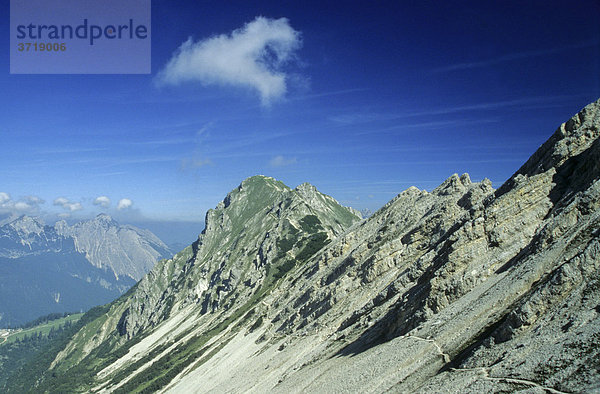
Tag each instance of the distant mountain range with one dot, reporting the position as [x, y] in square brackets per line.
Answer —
[125, 250]
[463, 289]
[62, 268]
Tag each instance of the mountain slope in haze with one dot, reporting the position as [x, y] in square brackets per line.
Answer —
[46, 269]
[27, 235]
[123, 249]
[462, 289]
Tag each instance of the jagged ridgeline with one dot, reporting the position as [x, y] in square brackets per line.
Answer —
[261, 231]
[461, 289]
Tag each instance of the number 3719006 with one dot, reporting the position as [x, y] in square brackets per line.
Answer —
[41, 47]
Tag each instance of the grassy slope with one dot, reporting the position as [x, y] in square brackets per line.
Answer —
[44, 328]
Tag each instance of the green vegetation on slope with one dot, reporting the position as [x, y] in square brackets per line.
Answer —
[311, 224]
[25, 377]
[45, 326]
[20, 347]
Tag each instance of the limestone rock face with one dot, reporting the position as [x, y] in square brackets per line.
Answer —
[252, 238]
[124, 250]
[461, 289]
[27, 235]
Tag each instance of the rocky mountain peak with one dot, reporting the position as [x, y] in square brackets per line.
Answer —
[27, 225]
[258, 182]
[251, 196]
[252, 239]
[453, 185]
[572, 138]
[27, 235]
[253, 188]
[61, 227]
[104, 218]
[306, 189]
[568, 162]
[256, 179]
[313, 197]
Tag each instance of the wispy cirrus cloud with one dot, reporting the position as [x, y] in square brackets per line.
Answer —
[354, 118]
[252, 56]
[282, 161]
[365, 117]
[330, 93]
[433, 125]
[198, 159]
[63, 151]
[509, 57]
[520, 103]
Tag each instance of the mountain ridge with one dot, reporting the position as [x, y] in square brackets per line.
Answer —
[464, 289]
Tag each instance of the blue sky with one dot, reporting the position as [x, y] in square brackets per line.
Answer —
[361, 102]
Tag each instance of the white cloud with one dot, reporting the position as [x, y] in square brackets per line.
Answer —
[27, 204]
[68, 205]
[103, 201]
[22, 206]
[190, 164]
[60, 201]
[280, 161]
[4, 197]
[124, 203]
[34, 200]
[75, 206]
[252, 57]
